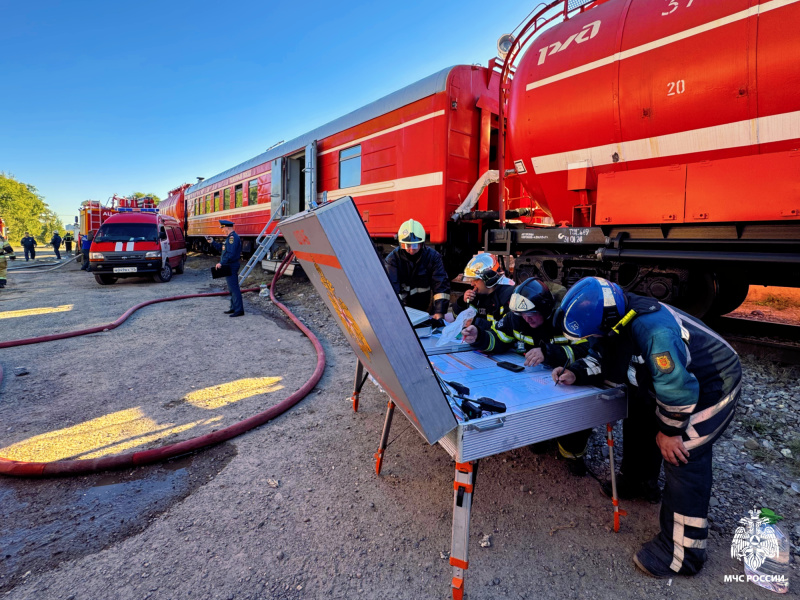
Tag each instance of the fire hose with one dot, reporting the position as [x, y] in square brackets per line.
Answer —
[38, 266]
[146, 457]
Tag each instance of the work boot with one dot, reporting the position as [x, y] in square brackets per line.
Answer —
[634, 489]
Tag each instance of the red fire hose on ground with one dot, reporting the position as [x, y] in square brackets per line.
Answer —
[145, 457]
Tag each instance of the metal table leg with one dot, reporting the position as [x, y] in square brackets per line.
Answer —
[360, 380]
[464, 486]
[618, 512]
[387, 424]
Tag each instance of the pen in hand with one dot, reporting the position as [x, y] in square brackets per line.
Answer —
[564, 368]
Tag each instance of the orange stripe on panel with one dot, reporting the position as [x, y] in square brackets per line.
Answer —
[323, 259]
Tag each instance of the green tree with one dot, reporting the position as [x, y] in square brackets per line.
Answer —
[23, 209]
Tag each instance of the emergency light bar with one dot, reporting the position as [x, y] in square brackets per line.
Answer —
[144, 210]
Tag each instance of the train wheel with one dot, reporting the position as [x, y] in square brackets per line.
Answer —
[732, 292]
[544, 267]
[701, 295]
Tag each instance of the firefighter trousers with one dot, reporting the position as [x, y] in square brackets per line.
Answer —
[680, 546]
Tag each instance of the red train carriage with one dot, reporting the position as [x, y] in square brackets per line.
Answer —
[664, 136]
[415, 153]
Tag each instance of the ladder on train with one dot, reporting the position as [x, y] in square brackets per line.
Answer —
[264, 243]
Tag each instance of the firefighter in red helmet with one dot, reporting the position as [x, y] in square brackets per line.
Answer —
[417, 272]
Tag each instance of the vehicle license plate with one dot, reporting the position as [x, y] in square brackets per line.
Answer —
[124, 269]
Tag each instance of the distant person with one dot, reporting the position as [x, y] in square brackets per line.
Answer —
[231, 255]
[6, 252]
[29, 244]
[55, 241]
[68, 239]
[86, 243]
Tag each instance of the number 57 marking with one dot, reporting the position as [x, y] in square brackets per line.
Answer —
[673, 6]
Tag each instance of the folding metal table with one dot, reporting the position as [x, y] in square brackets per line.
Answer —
[334, 248]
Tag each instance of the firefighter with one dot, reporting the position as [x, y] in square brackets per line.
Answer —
[86, 244]
[417, 272]
[6, 252]
[231, 257]
[29, 244]
[68, 239]
[529, 323]
[55, 241]
[489, 296]
[685, 381]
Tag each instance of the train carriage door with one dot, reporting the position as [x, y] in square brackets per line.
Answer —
[276, 191]
[295, 183]
[311, 175]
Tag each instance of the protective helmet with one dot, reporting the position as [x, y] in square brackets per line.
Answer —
[411, 232]
[532, 296]
[483, 266]
[590, 308]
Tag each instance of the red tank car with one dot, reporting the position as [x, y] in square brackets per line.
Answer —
[675, 89]
[174, 205]
[663, 134]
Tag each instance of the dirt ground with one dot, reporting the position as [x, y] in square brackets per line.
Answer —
[292, 509]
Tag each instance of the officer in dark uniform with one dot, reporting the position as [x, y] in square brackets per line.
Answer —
[417, 272]
[488, 296]
[529, 325]
[684, 382]
[55, 241]
[231, 255]
[29, 244]
[68, 239]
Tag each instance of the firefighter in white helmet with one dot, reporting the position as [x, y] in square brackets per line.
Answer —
[417, 272]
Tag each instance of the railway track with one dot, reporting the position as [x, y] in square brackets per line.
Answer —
[775, 341]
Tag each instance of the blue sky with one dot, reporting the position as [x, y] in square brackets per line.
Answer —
[116, 97]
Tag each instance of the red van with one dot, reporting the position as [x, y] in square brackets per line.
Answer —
[137, 243]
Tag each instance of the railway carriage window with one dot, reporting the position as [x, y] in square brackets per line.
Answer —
[237, 196]
[227, 199]
[350, 167]
[208, 204]
[217, 205]
[252, 192]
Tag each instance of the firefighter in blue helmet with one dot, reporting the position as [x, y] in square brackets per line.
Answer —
[685, 381]
[417, 272]
[528, 325]
[231, 257]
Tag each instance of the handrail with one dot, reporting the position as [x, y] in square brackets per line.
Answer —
[560, 10]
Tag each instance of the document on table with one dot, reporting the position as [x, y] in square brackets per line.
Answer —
[517, 391]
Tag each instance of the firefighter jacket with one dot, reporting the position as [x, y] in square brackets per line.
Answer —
[68, 239]
[490, 307]
[693, 374]
[55, 241]
[512, 329]
[420, 279]
[6, 252]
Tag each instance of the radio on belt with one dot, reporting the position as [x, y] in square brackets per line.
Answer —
[434, 387]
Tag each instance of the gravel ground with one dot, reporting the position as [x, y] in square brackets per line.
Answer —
[293, 509]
